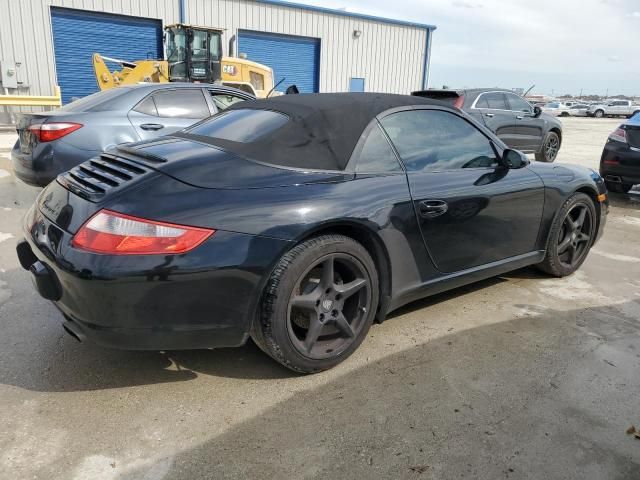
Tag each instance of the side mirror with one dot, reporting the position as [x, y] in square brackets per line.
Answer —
[514, 159]
[537, 111]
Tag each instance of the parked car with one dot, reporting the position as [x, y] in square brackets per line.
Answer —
[579, 110]
[50, 143]
[557, 109]
[509, 116]
[613, 108]
[620, 161]
[297, 220]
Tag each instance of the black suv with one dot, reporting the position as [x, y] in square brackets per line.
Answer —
[511, 117]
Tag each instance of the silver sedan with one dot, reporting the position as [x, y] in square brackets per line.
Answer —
[50, 143]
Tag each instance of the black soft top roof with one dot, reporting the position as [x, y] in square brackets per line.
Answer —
[323, 128]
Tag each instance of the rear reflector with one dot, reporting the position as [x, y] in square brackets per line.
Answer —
[48, 132]
[114, 233]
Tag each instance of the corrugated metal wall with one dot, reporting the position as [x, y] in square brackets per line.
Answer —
[25, 35]
[389, 56]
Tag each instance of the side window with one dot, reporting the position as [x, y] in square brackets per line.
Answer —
[517, 104]
[482, 101]
[182, 103]
[224, 100]
[377, 155]
[147, 106]
[434, 140]
[496, 101]
[257, 80]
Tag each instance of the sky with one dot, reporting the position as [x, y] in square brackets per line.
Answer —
[561, 46]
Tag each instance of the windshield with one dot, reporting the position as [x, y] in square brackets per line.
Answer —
[95, 101]
[552, 105]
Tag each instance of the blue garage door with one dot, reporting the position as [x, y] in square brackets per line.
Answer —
[297, 59]
[77, 34]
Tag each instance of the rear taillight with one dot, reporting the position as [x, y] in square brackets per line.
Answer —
[48, 132]
[619, 135]
[459, 102]
[113, 233]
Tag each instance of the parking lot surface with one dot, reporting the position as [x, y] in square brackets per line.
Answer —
[521, 376]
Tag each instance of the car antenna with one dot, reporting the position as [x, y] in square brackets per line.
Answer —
[275, 86]
[530, 88]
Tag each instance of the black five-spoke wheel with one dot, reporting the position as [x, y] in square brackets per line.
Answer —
[319, 304]
[328, 307]
[575, 235]
[571, 236]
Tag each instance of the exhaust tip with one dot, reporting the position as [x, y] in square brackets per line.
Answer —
[73, 331]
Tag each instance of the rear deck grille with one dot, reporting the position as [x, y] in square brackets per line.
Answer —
[98, 176]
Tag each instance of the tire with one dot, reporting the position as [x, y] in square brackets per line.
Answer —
[567, 248]
[618, 187]
[304, 295]
[598, 113]
[550, 148]
[564, 114]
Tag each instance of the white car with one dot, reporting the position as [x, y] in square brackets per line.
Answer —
[579, 110]
[557, 109]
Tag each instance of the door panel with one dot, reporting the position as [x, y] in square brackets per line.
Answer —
[529, 130]
[471, 210]
[495, 113]
[149, 126]
[490, 214]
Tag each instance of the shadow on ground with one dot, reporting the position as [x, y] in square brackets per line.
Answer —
[57, 363]
[533, 397]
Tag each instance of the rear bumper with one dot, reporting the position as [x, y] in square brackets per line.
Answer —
[620, 163]
[206, 298]
[47, 161]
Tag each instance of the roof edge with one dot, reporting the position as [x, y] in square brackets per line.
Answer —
[344, 13]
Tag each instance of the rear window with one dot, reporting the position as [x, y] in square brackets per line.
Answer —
[94, 101]
[242, 125]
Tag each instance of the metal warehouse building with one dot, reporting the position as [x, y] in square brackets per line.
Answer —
[44, 43]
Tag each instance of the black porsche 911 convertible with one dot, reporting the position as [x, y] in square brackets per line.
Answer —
[298, 221]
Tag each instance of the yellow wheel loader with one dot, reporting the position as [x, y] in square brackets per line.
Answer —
[193, 54]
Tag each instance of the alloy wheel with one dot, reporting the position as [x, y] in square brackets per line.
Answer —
[574, 238]
[551, 148]
[329, 305]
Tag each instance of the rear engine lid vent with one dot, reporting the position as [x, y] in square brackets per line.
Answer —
[96, 177]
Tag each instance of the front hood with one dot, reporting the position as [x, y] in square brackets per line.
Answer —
[206, 166]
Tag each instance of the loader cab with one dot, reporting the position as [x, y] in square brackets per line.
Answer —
[194, 53]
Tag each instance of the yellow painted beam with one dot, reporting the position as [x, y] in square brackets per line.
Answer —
[32, 100]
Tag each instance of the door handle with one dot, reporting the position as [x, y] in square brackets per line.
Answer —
[151, 126]
[432, 208]
[519, 117]
[490, 115]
